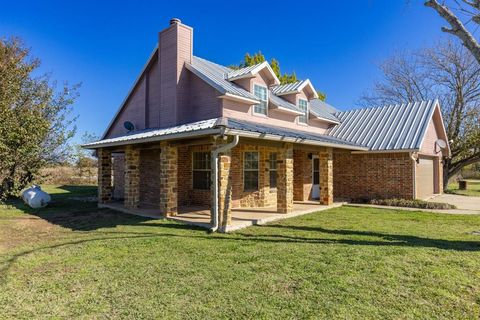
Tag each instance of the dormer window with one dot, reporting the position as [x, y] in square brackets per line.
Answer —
[303, 105]
[261, 93]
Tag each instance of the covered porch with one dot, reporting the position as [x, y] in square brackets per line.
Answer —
[258, 180]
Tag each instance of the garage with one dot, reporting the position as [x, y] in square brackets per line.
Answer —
[425, 178]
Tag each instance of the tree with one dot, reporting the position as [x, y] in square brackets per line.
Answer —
[469, 11]
[258, 57]
[84, 159]
[35, 121]
[447, 72]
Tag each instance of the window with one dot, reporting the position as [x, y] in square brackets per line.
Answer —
[250, 171]
[261, 93]
[303, 105]
[201, 170]
[273, 170]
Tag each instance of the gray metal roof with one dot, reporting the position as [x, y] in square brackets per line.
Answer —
[151, 134]
[300, 136]
[288, 87]
[322, 110]
[234, 73]
[282, 103]
[214, 75]
[395, 127]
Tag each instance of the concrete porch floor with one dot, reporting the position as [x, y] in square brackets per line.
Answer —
[241, 217]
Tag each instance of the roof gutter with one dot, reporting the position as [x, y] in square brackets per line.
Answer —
[248, 134]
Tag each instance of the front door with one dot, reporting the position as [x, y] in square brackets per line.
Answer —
[315, 178]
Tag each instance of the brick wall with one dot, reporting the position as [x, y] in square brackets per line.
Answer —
[149, 177]
[375, 175]
[186, 194]
[264, 196]
[302, 175]
[118, 175]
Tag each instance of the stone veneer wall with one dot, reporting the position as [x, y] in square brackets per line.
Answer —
[374, 175]
[186, 194]
[168, 179]
[104, 176]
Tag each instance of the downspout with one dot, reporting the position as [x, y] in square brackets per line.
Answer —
[214, 165]
[414, 157]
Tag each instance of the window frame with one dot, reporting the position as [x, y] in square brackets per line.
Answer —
[266, 100]
[208, 169]
[305, 112]
[257, 170]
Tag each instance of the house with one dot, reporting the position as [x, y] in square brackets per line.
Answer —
[193, 132]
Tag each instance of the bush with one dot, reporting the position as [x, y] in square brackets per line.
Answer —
[411, 203]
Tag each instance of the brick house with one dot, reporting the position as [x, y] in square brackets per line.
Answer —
[194, 133]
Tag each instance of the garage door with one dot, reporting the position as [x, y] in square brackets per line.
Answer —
[425, 180]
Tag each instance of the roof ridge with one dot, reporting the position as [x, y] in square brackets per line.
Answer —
[413, 103]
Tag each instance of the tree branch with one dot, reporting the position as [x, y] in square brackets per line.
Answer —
[457, 27]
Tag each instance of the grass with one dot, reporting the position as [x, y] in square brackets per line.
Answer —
[73, 261]
[473, 188]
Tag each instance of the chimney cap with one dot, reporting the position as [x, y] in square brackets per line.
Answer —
[175, 21]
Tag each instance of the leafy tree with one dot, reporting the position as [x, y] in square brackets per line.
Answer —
[83, 159]
[35, 121]
[258, 57]
[450, 73]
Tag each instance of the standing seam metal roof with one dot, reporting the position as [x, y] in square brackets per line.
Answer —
[395, 127]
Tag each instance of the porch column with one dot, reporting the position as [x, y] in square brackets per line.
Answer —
[168, 179]
[132, 177]
[104, 175]
[224, 191]
[326, 176]
[285, 179]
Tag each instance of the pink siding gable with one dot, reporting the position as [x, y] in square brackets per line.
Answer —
[433, 133]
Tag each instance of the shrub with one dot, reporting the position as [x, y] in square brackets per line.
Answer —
[411, 203]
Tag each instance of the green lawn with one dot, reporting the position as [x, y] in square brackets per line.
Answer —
[74, 261]
[473, 188]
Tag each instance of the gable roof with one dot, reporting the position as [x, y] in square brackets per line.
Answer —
[323, 111]
[394, 127]
[251, 71]
[295, 87]
[283, 104]
[214, 75]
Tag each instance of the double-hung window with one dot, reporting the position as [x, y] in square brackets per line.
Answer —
[303, 105]
[273, 170]
[201, 170]
[250, 171]
[261, 93]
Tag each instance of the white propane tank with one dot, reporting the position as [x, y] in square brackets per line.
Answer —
[35, 197]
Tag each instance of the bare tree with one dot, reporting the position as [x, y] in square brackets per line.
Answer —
[466, 10]
[447, 72]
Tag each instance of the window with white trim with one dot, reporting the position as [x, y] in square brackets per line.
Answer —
[250, 171]
[201, 170]
[303, 105]
[261, 93]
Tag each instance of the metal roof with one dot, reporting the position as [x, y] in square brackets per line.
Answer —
[282, 103]
[394, 127]
[299, 136]
[214, 75]
[154, 134]
[321, 109]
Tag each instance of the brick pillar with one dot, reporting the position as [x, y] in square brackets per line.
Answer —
[326, 176]
[104, 176]
[285, 179]
[168, 179]
[224, 191]
[132, 177]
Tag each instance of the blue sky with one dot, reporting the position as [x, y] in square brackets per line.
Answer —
[104, 44]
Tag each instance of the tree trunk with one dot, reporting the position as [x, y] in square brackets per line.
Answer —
[446, 171]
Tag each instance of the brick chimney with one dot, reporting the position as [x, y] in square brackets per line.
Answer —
[175, 45]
